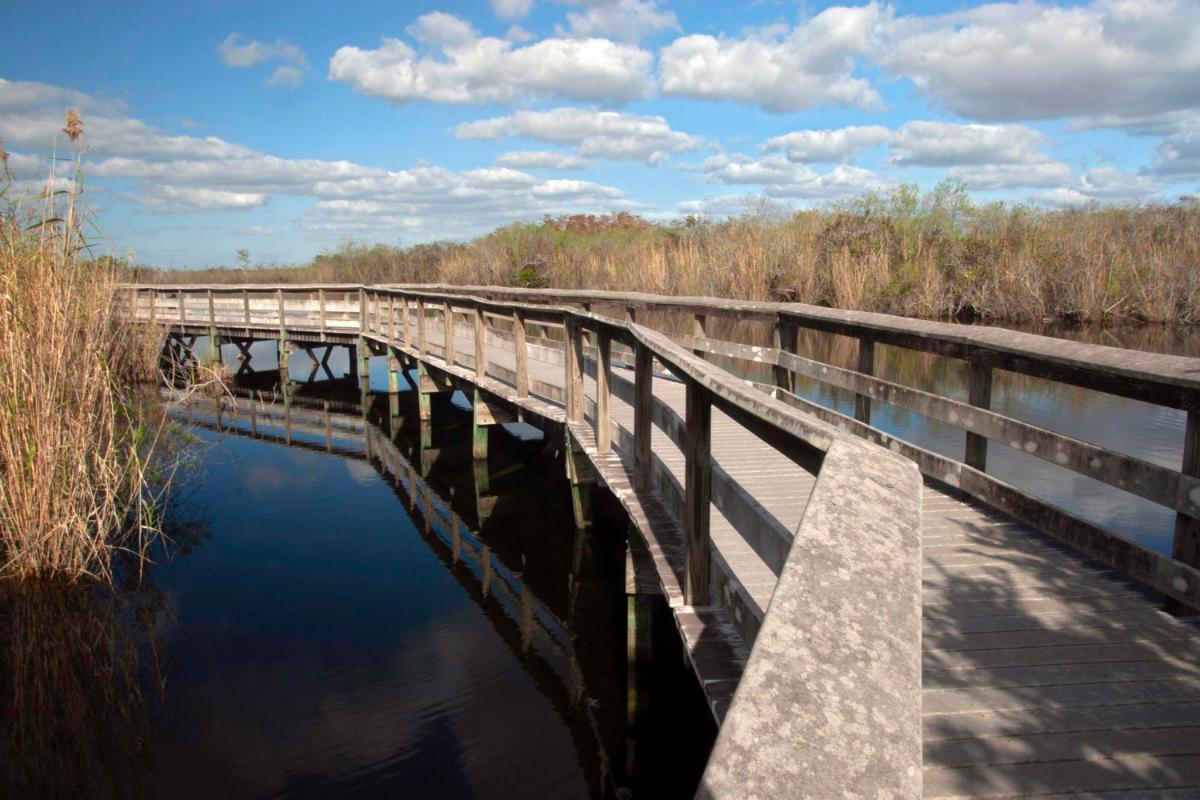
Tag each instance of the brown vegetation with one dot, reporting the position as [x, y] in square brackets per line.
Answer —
[75, 442]
[936, 254]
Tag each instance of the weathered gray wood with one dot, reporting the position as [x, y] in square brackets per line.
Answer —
[480, 343]
[698, 493]
[866, 366]
[245, 309]
[448, 326]
[603, 375]
[522, 353]
[421, 344]
[574, 370]
[212, 314]
[784, 337]
[404, 313]
[643, 388]
[980, 396]
[1186, 545]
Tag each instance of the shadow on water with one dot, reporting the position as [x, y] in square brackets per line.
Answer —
[369, 615]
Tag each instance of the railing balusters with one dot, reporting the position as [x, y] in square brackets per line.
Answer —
[603, 368]
[421, 327]
[697, 493]
[480, 343]
[643, 397]
[980, 394]
[784, 339]
[573, 344]
[448, 324]
[866, 365]
[522, 353]
[1186, 545]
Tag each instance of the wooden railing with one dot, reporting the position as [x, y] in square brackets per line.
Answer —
[1157, 379]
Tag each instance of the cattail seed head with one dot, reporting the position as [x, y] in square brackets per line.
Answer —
[74, 128]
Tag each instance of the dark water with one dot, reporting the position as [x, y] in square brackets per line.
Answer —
[324, 628]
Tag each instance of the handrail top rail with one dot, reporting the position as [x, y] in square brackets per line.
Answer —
[1162, 379]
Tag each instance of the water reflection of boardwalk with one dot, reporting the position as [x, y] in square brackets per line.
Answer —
[917, 628]
[543, 639]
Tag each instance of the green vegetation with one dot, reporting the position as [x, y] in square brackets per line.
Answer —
[935, 254]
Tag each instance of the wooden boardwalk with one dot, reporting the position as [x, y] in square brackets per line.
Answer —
[1043, 672]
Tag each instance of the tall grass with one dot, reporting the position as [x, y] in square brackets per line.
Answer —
[931, 254]
[75, 442]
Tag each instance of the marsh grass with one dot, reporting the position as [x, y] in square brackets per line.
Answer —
[935, 254]
[77, 478]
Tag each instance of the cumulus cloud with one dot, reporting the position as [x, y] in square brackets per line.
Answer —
[511, 9]
[595, 134]
[238, 52]
[935, 144]
[827, 146]
[806, 66]
[192, 174]
[1107, 184]
[627, 20]
[540, 159]
[780, 177]
[1008, 176]
[1178, 155]
[1121, 58]
[458, 65]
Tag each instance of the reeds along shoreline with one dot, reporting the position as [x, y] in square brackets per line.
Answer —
[936, 254]
[75, 441]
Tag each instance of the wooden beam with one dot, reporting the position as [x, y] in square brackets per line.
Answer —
[784, 338]
[404, 313]
[697, 493]
[448, 324]
[246, 307]
[1186, 545]
[866, 366]
[603, 378]
[643, 388]
[522, 353]
[699, 330]
[421, 327]
[979, 395]
[574, 369]
[480, 343]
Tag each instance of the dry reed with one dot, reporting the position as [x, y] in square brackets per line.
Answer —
[75, 442]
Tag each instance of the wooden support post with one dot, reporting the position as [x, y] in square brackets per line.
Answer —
[421, 327]
[424, 404]
[404, 314]
[603, 381]
[866, 365]
[352, 363]
[284, 350]
[980, 394]
[362, 311]
[784, 340]
[479, 431]
[153, 307]
[364, 365]
[630, 314]
[480, 343]
[212, 313]
[522, 354]
[182, 307]
[643, 398]
[393, 372]
[580, 476]
[698, 493]
[392, 317]
[448, 324]
[574, 368]
[700, 331]
[321, 301]
[246, 307]
[282, 310]
[1186, 546]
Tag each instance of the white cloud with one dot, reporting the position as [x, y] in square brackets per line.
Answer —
[827, 146]
[1178, 155]
[511, 9]
[286, 77]
[460, 66]
[1006, 176]
[1103, 184]
[810, 65]
[1120, 58]
[540, 159]
[238, 52]
[780, 177]
[516, 33]
[180, 199]
[598, 134]
[627, 20]
[943, 144]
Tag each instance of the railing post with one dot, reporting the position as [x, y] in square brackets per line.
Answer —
[392, 317]
[866, 365]
[182, 312]
[246, 307]
[784, 340]
[699, 331]
[980, 394]
[480, 344]
[630, 314]
[153, 307]
[421, 327]
[404, 313]
[282, 314]
[448, 324]
[362, 311]
[1186, 546]
[212, 314]
[603, 368]
[522, 353]
[321, 301]
[698, 493]
[574, 368]
[643, 398]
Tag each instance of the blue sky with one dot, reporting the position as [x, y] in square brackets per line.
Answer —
[284, 128]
